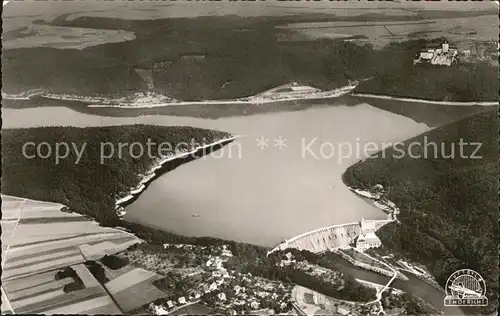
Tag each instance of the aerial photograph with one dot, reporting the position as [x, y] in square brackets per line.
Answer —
[250, 157]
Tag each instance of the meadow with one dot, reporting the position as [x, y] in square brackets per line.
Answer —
[44, 240]
[135, 288]
[41, 241]
[40, 35]
[45, 293]
[382, 33]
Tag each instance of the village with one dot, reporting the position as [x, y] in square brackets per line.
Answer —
[227, 291]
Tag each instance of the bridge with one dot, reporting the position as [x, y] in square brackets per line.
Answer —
[329, 238]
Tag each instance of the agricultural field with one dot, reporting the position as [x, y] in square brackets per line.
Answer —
[40, 237]
[134, 289]
[38, 240]
[5, 305]
[22, 13]
[382, 33]
[8, 227]
[39, 35]
[45, 293]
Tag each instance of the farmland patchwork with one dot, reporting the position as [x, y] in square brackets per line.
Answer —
[39, 240]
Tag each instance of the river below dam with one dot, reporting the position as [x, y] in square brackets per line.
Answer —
[281, 178]
[413, 286]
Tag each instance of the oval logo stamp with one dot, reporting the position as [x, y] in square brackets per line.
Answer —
[465, 287]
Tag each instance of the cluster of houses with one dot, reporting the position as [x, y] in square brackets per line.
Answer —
[214, 273]
[235, 291]
[141, 98]
[228, 290]
[251, 294]
[25, 95]
[474, 51]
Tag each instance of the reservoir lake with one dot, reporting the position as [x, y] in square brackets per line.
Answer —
[281, 178]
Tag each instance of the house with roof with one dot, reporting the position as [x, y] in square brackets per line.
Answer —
[221, 296]
[213, 287]
[342, 311]
[254, 305]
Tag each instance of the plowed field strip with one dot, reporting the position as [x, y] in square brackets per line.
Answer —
[38, 260]
[50, 220]
[40, 289]
[13, 261]
[62, 300]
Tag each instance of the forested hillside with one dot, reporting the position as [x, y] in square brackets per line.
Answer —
[88, 187]
[449, 205]
[228, 57]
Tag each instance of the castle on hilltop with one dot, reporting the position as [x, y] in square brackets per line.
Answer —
[443, 56]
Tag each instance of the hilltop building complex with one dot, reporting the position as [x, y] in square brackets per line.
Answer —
[444, 56]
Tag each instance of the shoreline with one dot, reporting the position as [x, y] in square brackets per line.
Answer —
[96, 102]
[258, 99]
[253, 100]
[151, 174]
[404, 99]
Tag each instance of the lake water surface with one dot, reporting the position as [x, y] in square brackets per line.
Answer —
[252, 194]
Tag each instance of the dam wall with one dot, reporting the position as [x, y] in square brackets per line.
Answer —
[328, 238]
